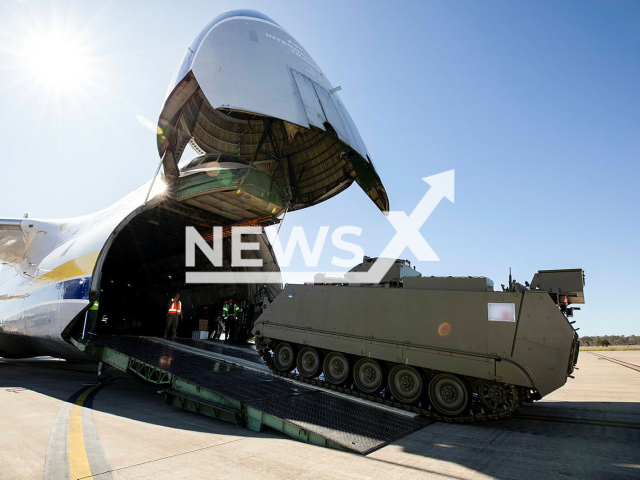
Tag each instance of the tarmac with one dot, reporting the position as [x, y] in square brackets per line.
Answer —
[51, 423]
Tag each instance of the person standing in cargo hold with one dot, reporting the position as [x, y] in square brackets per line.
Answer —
[92, 316]
[229, 311]
[173, 316]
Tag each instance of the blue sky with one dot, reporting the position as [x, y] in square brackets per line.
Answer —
[536, 106]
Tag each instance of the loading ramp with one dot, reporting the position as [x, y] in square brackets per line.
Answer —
[216, 380]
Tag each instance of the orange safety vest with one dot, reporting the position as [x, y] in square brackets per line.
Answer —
[176, 307]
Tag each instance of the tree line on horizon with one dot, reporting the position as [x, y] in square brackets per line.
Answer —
[608, 340]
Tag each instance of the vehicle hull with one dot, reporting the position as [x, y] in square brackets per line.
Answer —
[436, 330]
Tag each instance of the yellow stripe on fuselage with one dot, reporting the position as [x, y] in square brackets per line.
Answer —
[82, 265]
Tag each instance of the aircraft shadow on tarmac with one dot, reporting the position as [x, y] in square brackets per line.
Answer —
[543, 440]
[122, 395]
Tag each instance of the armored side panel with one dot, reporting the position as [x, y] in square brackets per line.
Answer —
[516, 338]
[460, 284]
[544, 342]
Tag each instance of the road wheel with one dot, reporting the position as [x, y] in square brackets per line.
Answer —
[449, 394]
[308, 362]
[284, 357]
[262, 343]
[368, 376]
[405, 383]
[336, 368]
[497, 397]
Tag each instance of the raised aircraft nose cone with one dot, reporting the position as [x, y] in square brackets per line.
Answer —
[246, 89]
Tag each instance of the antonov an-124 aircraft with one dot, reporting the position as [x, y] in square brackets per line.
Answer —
[271, 135]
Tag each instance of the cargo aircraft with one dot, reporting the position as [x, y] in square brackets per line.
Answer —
[271, 136]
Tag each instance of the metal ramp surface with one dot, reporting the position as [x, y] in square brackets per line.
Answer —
[248, 353]
[196, 381]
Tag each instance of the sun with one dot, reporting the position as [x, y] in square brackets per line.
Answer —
[58, 63]
[57, 60]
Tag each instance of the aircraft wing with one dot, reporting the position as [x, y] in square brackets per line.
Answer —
[13, 242]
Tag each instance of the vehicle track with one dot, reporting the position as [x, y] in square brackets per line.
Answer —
[476, 417]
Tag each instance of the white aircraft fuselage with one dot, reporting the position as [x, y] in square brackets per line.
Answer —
[272, 136]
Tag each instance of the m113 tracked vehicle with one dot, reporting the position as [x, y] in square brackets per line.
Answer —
[450, 348]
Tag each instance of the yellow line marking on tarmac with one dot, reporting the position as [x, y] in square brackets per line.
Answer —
[619, 362]
[78, 459]
[577, 420]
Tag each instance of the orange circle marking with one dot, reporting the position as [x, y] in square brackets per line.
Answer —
[444, 329]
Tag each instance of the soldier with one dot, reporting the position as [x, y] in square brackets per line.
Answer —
[229, 311]
[173, 316]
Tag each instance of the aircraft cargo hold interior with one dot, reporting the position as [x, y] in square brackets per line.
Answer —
[145, 266]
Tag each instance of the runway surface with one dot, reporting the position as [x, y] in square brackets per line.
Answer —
[55, 427]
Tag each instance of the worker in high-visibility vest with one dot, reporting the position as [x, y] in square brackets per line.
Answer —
[230, 310]
[93, 317]
[173, 316]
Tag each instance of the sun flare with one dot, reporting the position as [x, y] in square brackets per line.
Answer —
[57, 60]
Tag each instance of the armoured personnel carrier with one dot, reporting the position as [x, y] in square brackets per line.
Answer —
[451, 348]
